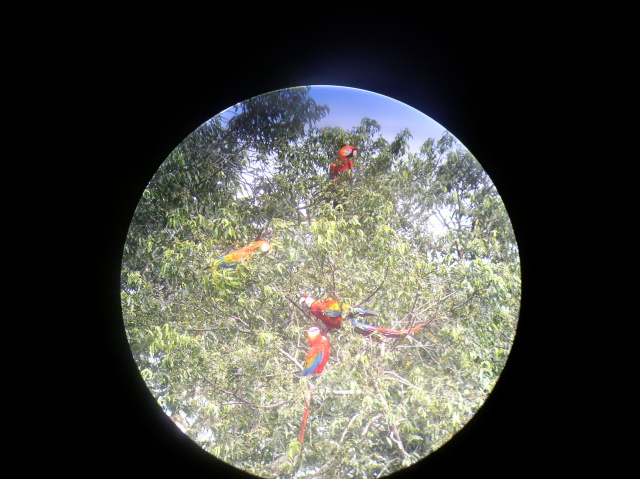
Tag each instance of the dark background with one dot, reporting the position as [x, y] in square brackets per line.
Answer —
[494, 84]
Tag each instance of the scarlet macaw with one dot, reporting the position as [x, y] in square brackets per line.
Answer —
[234, 258]
[317, 357]
[330, 312]
[318, 354]
[343, 162]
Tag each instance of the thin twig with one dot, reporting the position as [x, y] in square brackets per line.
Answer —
[386, 466]
[248, 403]
[375, 290]
[237, 318]
[290, 357]
[343, 392]
[401, 379]
[328, 464]
[333, 277]
[198, 330]
[344, 433]
[366, 428]
[180, 303]
[306, 313]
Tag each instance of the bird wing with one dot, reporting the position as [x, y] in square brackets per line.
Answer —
[313, 361]
[331, 309]
[325, 346]
[364, 312]
[367, 329]
[229, 260]
[232, 259]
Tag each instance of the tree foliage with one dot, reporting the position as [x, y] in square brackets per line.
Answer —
[420, 237]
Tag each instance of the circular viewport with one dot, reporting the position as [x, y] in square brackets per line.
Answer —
[320, 282]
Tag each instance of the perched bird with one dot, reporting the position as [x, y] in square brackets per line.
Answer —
[330, 312]
[318, 354]
[317, 357]
[234, 258]
[343, 162]
[368, 330]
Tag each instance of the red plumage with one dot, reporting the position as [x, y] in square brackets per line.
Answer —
[318, 354]
[316, 359]
[343, 162]
[330, 311]
[234, 258]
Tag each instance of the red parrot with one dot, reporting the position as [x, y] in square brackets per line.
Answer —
[343, 162]
[234, 258]
[330, 312]
[317, 357]
[318, 354]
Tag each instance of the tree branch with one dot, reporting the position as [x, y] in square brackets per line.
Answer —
[344, 433]
[237, 318]
[305, 313]
[319, 472]
[366, 428]
[375, 290]
[386, 466]
[248, 403]
[295, 361]
[398, 441]
[343, 392]
[400, 379]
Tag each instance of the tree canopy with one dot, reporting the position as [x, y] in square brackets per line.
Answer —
[420, 237]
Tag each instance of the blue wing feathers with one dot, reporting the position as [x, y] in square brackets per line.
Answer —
[361, 328]
[366, 330]
[226, 264]
[310, 369]
[364, 312]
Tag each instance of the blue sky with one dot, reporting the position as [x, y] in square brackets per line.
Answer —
[349, 105]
